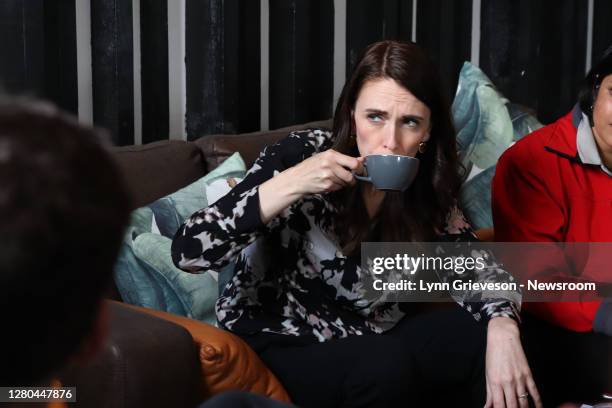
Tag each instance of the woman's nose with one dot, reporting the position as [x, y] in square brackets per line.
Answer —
[391, 137]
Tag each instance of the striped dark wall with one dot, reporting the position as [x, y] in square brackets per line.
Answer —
[113, 68]
[222, 66]
[602, 27]
[444, 30]
[38, 51]
[154, 69]
[533, 54]
[535, 51]
[301, 61]
[370, 21]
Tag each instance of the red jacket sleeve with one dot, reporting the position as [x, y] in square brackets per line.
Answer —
[524, 210]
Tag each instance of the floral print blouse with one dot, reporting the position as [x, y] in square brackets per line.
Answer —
[291, 277]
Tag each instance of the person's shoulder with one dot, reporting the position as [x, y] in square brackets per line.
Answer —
[298, 145]
[531, 144]
[317, 137]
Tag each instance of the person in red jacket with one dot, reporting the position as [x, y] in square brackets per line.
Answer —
[555, 185]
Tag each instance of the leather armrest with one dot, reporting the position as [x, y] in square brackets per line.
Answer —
[144, 362]
[485, 234]
[228, 363]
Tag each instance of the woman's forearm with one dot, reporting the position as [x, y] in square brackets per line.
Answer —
[276, 194]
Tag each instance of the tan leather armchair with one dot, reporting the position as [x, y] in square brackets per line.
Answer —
[227, 362]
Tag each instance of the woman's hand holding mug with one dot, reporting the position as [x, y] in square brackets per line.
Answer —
[321, 173]
[325, 172]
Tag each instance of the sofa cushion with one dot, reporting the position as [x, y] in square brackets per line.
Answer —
[144, 273]
[138, 283]
[484, 128]
[217, 148]
[197, 293]
[170, 211]
[487, 124]
[523, 120]
[153, 170]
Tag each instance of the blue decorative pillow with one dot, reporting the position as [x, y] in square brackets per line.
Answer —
[484, 128]
[170, 211]
[523, 122]
[139, 285]
[144, 273]
[487, 124]
[196, 293]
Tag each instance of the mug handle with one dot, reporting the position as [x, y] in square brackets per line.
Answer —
[363, 178]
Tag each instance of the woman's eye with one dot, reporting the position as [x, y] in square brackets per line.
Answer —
[411, 123]
[374, 117]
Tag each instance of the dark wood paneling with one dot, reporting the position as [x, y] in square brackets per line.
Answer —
[154, 69]
[444, 30]
[243, 98]
[532, 54]
[113, 68]
[223, 61]
[369, 21]
[301, 61]
[21, 53]
[204, 59]
[602, 28]
[38, 52]
[60, 55]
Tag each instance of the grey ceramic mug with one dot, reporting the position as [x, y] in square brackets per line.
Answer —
[390, 171]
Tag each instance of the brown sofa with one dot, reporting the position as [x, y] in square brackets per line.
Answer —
[153, 358]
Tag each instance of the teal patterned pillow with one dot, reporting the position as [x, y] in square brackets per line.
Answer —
[484, 128]
[523, 122]
[144, 273]
[138, 283]
[476, 199]
[170, 211]
[487, 124]
[196, 293]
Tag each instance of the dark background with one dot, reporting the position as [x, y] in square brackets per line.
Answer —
[533, 50]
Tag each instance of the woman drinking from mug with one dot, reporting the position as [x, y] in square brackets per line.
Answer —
[297, 222]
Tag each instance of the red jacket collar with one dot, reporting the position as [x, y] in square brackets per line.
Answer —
[562, 141]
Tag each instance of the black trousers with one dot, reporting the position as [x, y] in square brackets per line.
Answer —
[435, 359]
[567, 366]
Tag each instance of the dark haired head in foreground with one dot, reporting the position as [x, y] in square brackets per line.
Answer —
[63, 209]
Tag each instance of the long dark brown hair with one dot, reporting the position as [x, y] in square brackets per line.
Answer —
[420, 212]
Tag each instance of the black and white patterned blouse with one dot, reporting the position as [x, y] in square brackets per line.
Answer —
[291, 276]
